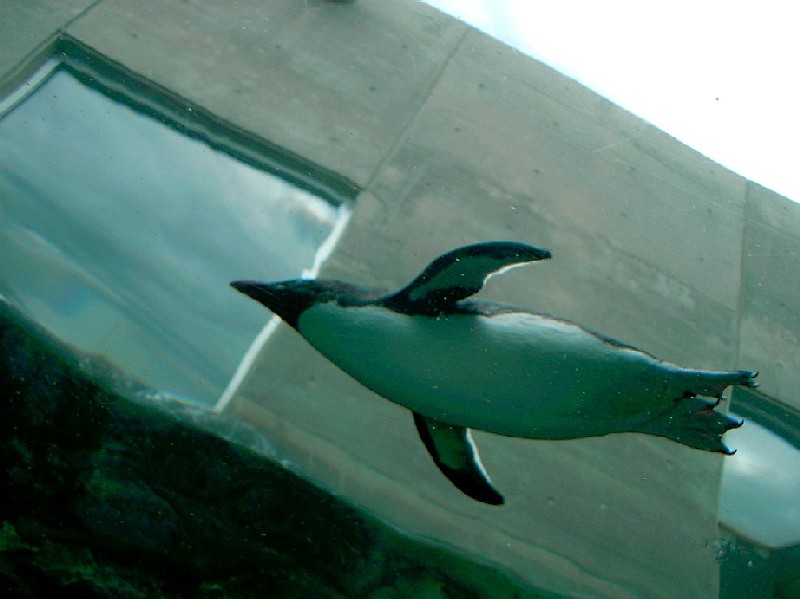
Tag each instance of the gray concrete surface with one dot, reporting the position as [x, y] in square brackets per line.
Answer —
[336, 84]
[770, 313]
[26, 27]
[455, 138]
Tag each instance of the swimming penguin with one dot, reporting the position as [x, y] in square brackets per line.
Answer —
[461, 364]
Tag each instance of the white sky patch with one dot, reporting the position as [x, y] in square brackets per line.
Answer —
[718, 76]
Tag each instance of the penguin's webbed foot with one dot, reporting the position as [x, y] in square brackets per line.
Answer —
[713, 384]
[694, 422]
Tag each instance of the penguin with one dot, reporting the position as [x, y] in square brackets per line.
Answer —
[459, 364]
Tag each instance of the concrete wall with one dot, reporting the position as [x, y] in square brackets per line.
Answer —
[455, 138]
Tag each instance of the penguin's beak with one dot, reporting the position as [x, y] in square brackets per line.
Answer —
[247, 287]
[267, 294]
[282, 298]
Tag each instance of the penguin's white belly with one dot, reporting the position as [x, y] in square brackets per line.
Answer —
[515, 374]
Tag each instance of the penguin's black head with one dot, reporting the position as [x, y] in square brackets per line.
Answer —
[289, 299]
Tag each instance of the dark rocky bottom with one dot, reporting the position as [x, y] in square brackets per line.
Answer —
[101, 496]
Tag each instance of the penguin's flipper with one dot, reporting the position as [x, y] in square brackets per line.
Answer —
[454, 452]
[460, 273]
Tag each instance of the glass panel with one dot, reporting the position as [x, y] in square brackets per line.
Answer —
[120, 235]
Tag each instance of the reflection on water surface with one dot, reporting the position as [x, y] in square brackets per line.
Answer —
[120, 234]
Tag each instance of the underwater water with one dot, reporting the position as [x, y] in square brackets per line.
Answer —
[166, 436]
[113, 246]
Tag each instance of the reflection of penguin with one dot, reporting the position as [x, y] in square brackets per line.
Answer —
[461, 364]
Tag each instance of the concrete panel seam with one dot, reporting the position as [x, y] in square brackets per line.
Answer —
[742, 258]
[410, 124]
[79, 16]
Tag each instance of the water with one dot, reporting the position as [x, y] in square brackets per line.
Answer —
[164, 151]
[117, 231]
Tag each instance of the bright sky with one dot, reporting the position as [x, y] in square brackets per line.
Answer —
[722, 77]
